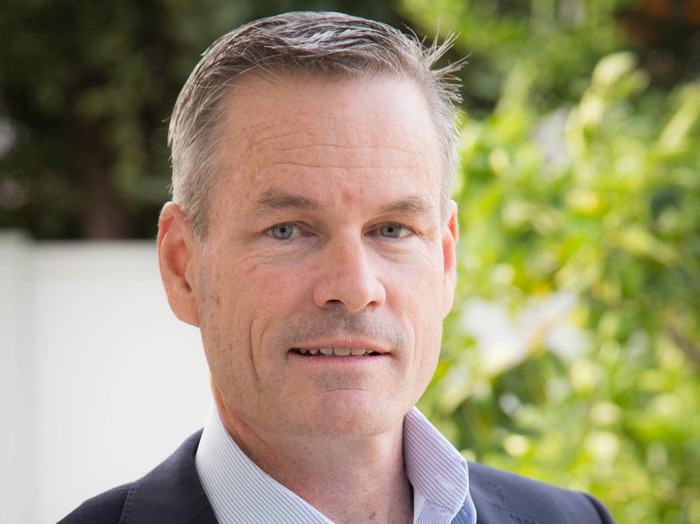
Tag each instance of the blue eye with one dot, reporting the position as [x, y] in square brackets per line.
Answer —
[282, 231]
[393, 231]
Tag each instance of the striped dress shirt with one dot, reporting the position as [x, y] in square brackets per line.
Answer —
[240, 492]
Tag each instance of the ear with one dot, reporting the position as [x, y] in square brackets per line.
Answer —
[450, 237]
[177, 256]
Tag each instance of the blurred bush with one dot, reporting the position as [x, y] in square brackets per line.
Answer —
[573, 352]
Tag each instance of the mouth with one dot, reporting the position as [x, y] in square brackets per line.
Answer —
[335, 352]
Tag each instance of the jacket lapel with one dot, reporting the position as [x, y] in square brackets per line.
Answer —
[488, 497]
[171, 493]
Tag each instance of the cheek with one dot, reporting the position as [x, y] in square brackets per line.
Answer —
[274, 294]
[244, 283]
[422, 297]
[417, 298]
[421, 287]
[242, 303]
[222, 324]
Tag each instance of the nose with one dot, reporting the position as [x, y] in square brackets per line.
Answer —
[349, 276]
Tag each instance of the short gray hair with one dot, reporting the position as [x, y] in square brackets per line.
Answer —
[330, 45]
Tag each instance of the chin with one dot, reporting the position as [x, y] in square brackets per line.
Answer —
[349, 413]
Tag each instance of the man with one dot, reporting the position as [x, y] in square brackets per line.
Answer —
[311, 238]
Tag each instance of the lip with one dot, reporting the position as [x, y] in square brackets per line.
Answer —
[335, 352]
[315, 348]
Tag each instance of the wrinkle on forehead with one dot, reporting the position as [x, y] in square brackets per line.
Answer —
[286, 109]
[346, 127]
[355, 146]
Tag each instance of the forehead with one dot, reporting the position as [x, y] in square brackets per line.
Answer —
[328, 134]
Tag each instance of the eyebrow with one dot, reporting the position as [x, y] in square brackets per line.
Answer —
[413, 205]
[278, 200]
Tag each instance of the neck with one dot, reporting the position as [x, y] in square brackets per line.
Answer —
[348, 479]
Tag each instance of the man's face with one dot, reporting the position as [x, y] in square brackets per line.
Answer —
[328, 266]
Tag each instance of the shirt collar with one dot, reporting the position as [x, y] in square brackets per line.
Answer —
[438, 473]
[239, 491]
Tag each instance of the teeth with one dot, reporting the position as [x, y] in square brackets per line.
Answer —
[336, 352]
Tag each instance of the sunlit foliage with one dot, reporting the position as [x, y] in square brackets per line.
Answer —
[573, 353]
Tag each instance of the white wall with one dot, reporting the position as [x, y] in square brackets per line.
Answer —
[98, 379]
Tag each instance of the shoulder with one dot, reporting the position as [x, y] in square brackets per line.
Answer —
[500, 495]
[102, 509]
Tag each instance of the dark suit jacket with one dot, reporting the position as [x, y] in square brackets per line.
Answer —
[172, 494]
